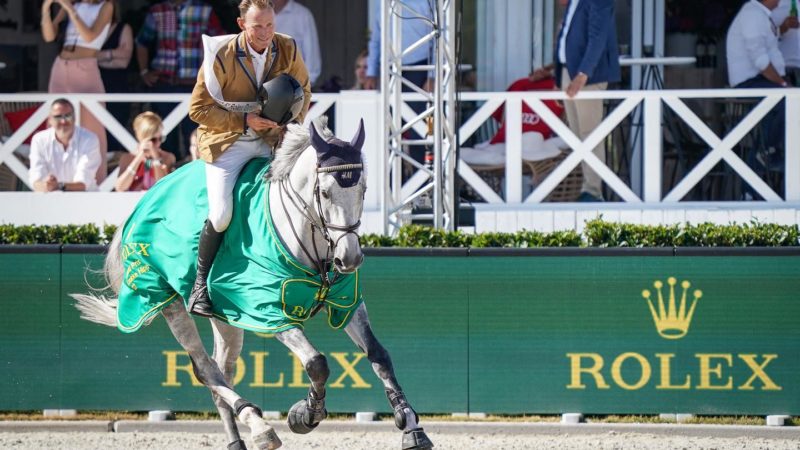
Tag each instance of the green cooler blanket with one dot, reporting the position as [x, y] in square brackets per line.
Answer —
[254, 282]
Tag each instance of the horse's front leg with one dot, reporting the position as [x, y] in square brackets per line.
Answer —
[228, 341]
[306, 414]
[405, 418]
[208, 373]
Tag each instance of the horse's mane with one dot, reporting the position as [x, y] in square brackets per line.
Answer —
[295, 141]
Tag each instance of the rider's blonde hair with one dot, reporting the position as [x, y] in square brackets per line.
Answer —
[245, 5]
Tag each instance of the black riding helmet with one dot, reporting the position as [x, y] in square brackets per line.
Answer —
[281, 99]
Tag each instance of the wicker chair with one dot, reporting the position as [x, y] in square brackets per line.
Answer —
[8, 179]
[568, 190]
[493, 175]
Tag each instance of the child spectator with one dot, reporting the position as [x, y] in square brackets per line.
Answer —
[140, 172]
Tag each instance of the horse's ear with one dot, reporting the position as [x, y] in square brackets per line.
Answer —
[358, 139]
[316, 140]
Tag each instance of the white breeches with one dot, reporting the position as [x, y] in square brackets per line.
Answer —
[221, 177]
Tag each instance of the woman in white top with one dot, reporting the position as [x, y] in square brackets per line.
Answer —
[75, 70]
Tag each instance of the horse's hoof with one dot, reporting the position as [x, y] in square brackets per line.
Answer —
[302, 419]
[237, 445]
[416, 439]
[267, 440]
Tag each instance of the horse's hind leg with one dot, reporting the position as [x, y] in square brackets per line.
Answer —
[228, 342]
[206, 370]
[306, 414]
[405, 418]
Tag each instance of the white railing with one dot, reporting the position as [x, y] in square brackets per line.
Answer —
[93, 103]
[645, 187]
[648, 189]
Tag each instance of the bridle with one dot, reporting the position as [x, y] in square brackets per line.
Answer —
[318, 223]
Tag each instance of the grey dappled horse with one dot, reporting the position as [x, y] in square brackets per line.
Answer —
[318, 223]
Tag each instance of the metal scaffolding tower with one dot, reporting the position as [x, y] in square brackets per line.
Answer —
[424, 193]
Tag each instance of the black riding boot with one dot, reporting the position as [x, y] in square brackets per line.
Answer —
[199, 303]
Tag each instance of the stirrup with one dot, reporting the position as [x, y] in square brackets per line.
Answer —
[199, 303]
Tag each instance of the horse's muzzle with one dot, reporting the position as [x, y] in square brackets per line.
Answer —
[344, 266]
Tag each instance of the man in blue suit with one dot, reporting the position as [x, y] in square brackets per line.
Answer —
[587, 59]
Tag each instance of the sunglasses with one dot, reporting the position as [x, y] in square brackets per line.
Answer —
[155, 139]
[66, 116]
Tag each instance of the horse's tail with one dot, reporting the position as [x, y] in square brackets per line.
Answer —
[97, 307]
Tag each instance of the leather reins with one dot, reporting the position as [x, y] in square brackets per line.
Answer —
[318, 224]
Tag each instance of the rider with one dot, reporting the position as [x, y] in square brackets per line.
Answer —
[231, 132]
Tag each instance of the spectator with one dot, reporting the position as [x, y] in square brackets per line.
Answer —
[64, 157]
[174, 28]
[536, 142]
[114, 60]
[140, 172]
[789, 42]
[228, 136]
[360, 71]
[755, 61]
[587, 59]
[75, 70]
[296, 20]
[417, 25]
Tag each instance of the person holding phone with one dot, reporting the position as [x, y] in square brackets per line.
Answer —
[140, 171]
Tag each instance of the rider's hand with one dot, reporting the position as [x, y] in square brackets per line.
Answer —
[259, 123]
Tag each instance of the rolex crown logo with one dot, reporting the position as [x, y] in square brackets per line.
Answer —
[672, 320]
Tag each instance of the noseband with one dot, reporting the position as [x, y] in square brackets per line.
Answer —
[318, 223]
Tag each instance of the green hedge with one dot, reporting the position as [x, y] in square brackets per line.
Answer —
[754, 234]
[56, 234]
[597, 233]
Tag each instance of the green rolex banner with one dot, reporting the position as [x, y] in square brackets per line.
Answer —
[541, 332]
[705, 335]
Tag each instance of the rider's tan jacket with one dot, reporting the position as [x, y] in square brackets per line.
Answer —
[220, 128]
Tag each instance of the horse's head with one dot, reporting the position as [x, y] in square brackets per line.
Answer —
[339, 194]
[323, 177]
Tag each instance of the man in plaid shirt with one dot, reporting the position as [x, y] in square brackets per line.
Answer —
[174, 29]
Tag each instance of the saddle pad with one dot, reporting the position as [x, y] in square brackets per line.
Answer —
[254, 284]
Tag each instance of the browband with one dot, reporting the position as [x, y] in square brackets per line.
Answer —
[340, 168]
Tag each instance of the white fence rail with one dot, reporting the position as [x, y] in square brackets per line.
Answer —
[645, 187]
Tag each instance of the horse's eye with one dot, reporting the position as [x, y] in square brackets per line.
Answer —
[325, 194]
